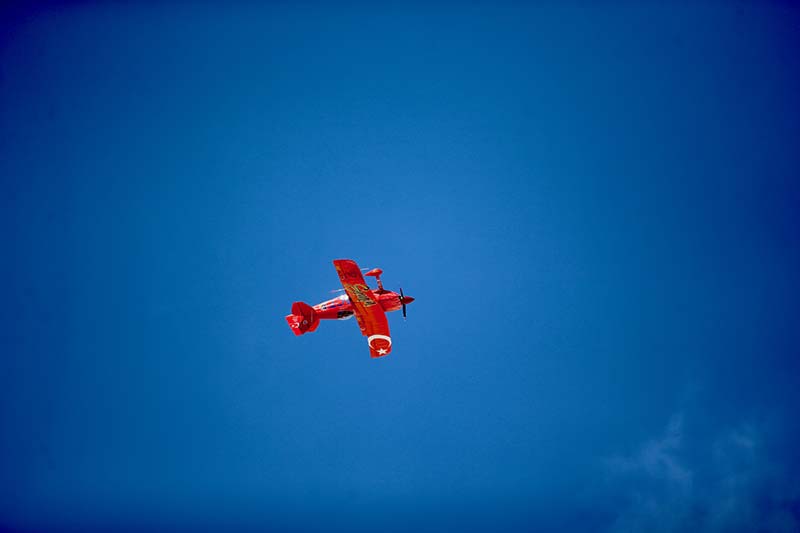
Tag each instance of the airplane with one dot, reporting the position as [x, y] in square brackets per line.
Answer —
[367, 305]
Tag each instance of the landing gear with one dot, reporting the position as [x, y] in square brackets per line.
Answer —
[376, 273]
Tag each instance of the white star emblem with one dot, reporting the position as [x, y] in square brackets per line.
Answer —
[380, 351]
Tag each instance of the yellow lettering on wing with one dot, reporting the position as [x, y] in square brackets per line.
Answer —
[361, 293]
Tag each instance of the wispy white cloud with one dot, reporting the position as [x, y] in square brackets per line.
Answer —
[658, 457]
[674, 482]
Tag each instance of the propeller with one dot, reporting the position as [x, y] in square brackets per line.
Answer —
[404, 300]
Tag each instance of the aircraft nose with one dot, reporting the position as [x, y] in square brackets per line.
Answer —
[407, 299]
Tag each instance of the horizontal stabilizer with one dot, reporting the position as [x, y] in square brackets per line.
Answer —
[303, 318]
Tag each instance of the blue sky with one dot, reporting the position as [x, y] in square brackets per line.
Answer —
[595, 208]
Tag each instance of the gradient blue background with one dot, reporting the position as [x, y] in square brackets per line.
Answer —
[596, 208]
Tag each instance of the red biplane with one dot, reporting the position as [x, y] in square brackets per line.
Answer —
[369, 307]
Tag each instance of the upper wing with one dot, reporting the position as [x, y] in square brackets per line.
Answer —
[369, 313]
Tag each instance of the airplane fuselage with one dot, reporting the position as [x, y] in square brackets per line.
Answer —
[340, 308]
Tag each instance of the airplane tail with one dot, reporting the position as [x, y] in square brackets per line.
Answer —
[303, 318]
